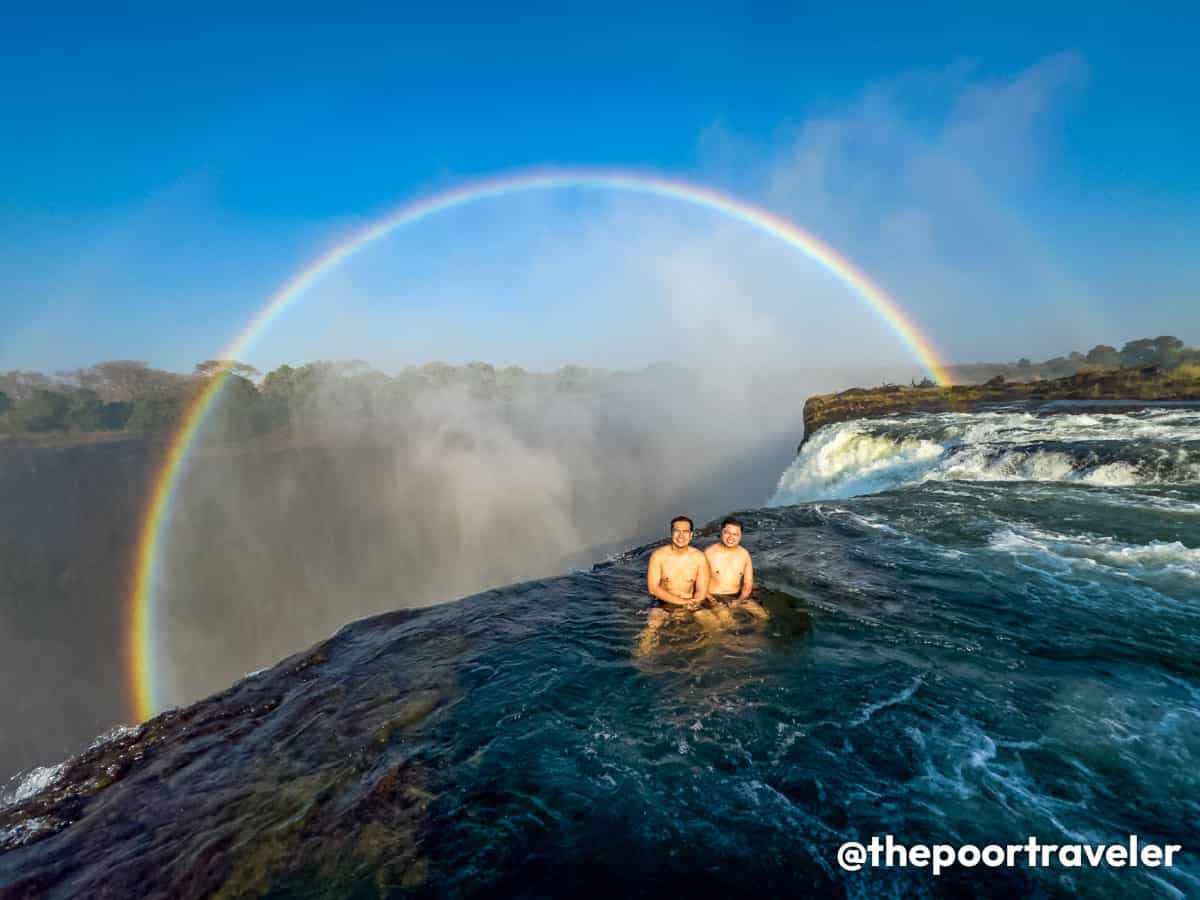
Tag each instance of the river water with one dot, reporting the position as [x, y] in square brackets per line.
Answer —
[984, 627]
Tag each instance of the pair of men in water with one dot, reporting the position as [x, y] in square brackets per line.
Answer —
[705, 586]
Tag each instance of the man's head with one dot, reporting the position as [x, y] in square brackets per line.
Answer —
[681, 531]
[731, 532]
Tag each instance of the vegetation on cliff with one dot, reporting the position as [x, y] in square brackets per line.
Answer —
[1121, 386]
[128, 396]
[1165, 351]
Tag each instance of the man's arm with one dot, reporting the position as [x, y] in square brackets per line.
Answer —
[654, 586]
[702, 578]
[747, 578]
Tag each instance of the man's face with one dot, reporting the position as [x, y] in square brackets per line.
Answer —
[681, 533]
[731, 536]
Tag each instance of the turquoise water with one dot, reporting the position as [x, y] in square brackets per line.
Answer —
[988, 629]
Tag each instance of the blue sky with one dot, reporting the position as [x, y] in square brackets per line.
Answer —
[1023, 182]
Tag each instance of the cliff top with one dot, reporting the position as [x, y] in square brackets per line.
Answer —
[1127, 388]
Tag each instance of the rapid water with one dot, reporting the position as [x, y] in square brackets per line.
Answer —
[985, 627]
[1151, 446]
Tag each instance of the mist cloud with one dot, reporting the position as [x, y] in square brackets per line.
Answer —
[401, 498]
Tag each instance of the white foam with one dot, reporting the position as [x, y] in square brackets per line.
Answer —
[1156, 558]
[978, 464]
[849, 459]
[113, 734]
[1118, 474]
[872, 708]
[1136, 499]
[23, 832]
[964, 764]
[846, 461]
[33, 783]
[873, 522]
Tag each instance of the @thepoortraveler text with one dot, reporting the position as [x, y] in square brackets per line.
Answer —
[886, 852]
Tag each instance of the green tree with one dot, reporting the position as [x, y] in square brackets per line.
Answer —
[1104, 356]
[277, 380]
[85, 412]
[1137, 353]
[43, 411]
[237, 413]
[115, 416]
[5, 403]
[20, 385]
[1058, 366]
[1164, 351]
[1170, 350]
[121, 379]
[285, 391]
[158, 411]
[437, 373]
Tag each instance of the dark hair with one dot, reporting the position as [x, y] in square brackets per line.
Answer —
[691, 524]
[730, 520]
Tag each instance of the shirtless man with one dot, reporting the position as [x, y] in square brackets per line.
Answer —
[732, 573]
[678, 577]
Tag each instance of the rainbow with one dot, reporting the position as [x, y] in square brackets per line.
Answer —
[142, 661]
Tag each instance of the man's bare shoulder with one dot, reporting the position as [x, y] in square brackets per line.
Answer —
[658, 553]
[693, 553]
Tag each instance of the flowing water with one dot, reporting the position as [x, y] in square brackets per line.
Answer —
[985, 627]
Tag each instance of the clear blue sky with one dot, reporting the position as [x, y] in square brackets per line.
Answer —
[164, 170]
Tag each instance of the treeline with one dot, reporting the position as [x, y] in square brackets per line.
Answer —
[127, 395]
[1165, 352]
[110, 396]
